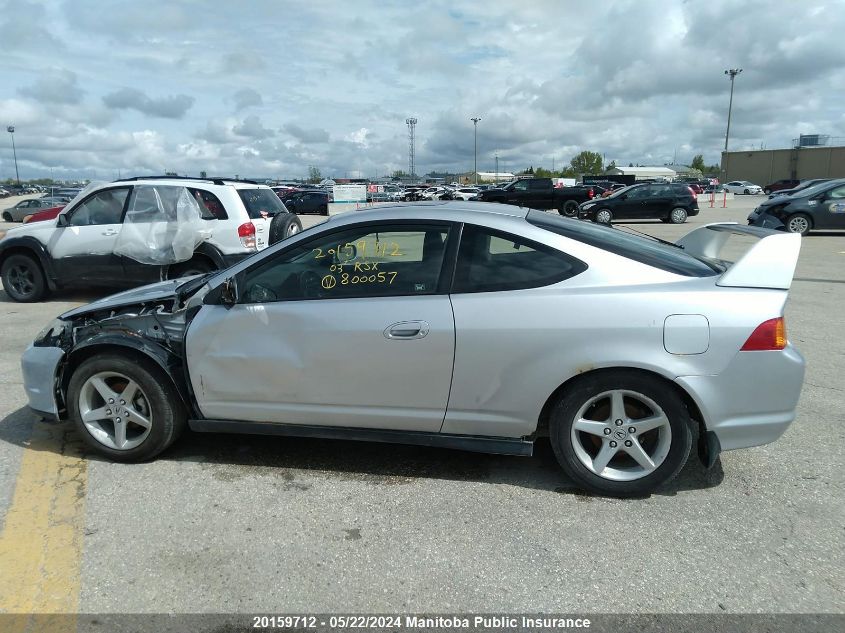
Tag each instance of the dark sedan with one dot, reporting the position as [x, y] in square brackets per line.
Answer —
[821, 206]
[306, 202]
[666, 202]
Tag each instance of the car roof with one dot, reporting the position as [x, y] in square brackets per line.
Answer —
[453, 210]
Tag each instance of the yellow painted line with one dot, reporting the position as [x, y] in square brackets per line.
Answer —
[41, 542]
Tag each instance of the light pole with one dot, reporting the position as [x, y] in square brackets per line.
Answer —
[475, 121]
[11, 131]
[733, 72]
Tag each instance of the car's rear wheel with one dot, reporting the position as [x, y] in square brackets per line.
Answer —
[569, 209]
[23, 279]
[799, 223]
[678, 215]
[604, 216]
[124, 408]
[621, 433]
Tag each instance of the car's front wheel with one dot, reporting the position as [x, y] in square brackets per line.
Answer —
[747, 192]
[7, 217]
[621, 433]
[604, 216]
[23, 279]
[124, 408]
[767, 191]
[799, 223]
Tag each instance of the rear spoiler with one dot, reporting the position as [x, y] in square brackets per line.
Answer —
[770, 263]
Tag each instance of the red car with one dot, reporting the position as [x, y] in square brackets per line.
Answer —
[44, 214]
[781, 184]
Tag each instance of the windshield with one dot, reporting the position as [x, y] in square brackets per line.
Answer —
[815, 189]
[618, 192]
[261, 203]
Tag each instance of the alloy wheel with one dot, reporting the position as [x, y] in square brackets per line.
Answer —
[679, 216]
[115, 410]
[22, 279]
[621, 435]
[798, 224]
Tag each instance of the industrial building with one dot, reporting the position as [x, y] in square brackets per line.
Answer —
[810, 157]
[644, 173]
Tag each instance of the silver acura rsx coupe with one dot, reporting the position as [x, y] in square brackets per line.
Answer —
[479, 328]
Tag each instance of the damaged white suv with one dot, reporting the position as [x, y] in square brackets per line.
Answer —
[141, 230]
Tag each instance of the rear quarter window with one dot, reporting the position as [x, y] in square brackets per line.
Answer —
[618, 242]
[261, 203]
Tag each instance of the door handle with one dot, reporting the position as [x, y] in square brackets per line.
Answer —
[109, 232]
[407, 330]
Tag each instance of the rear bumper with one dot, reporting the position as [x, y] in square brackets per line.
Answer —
[753, 401]
[39, 366]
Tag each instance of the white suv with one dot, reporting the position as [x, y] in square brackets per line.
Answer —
[128, 233]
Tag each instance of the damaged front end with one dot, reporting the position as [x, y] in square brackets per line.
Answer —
[150, 321]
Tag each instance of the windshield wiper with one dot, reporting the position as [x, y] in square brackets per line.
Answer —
[656, 239]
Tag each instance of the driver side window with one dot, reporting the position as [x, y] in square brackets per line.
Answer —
[369, 261]
[104, 207]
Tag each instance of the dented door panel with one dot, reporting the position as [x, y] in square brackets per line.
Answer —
[325, 362]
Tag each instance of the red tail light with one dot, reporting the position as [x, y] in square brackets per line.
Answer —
[692, 191]
[769, 336]
[590, 194]
[247, 234]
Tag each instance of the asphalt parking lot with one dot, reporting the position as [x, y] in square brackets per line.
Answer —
[262, 524]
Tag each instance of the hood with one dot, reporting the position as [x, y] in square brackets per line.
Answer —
[160, 291]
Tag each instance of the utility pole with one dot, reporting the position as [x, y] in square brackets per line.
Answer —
[733, 72]
[475, 121]
[497, 169]
[11, 131]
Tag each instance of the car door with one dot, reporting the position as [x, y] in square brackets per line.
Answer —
[832, 212]
[83, 248]
[660, 202]
[632, 204]
[351, 328]
[540, 193]
[517, 193]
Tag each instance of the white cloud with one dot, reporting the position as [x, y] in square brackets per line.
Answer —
[260, 89]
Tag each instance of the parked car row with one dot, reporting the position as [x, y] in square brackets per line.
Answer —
[818, 206]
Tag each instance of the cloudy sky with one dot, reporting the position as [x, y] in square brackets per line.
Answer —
[267, 88]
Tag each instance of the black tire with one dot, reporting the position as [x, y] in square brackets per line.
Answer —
[569, 209]
[168, 415]
[7, 217]
[798, 223]
[282, 226]
[678, 215]
[564, 415]
[189, 268]
[23, 279]
[747, 192]
[767, 191]
[603, 216]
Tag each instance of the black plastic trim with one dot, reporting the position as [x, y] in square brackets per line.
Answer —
[38, 249]
[472, 443]
[166, 359]
[709, 449]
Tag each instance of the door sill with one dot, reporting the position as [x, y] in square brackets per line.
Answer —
[472, 443]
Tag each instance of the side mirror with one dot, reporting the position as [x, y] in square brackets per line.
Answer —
[62, 220]
[229, 294]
